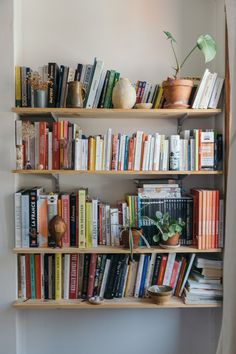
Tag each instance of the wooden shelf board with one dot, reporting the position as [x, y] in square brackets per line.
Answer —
[125, 303]
[112, 172]
[115, 250]
[117, 113]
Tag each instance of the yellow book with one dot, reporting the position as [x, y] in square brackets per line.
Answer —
[129, 201]
[59, 210]
[88, 229]
[82, 226]
[128, 279]
[58, 276]
[17, 86]
[158, 99]
[102, 153]
[92, 151]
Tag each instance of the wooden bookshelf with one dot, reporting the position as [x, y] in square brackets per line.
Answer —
[117, 113]
[124, 303]
[112, 172]
[115, 250]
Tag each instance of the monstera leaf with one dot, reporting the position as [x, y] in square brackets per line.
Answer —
[208, 46]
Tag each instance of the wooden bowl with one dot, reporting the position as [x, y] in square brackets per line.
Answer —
[160, 294]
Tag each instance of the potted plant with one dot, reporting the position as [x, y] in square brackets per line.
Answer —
[177, 90]
[169, 230]
[40, 88]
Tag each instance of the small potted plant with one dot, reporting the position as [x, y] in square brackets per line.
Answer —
[177, 90]
[40, 88]
[169, 230]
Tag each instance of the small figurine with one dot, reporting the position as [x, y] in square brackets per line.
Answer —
[28, 165]
[57, 228]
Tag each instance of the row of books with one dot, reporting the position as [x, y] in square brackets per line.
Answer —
[62, 145]
[204, 286]
[75, 276]
[208, 91]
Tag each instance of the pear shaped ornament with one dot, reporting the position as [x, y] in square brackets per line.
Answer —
[124, 94]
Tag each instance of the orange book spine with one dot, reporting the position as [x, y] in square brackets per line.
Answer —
[37, 267]
[195, 216]
[42, 145]
[213, 217]
[210, 236]
[162, 270]
[199, 221]
[181, 276]
[204, 216]
[59, 207]
[130, 155]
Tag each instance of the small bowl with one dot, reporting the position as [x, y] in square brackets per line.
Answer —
[160, 294]
[143, 105]
[96, 300]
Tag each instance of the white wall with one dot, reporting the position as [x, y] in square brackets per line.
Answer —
[127, 35]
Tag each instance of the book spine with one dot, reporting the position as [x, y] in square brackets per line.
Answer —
[73, 287]
[94, 223]
[55, 146]
[108, 95]
[66, 276]
[92, 269]
[81, 209]
[85, 275]
[33, 228]
[105, 277]
[66, 217]
[37, 263]
[18, 101]
[169, 268]
[73, 214]
[58, 277]
[162, 270]
[139, 276]
[52, 200]
[53, 82]
[32, 277]
[23, 277]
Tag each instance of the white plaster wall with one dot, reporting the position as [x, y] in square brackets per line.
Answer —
[127, 35]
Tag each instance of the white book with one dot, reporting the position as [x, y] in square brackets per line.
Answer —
[25, 220]
[151, 155]
[181, 155]
[162, 146]
[108, 224]
[76, 162]
[138, 147]
[194, 284]
[209, 90]
[115, 230]
[18, 132]
[132, 278]
[104, 153]
[156, 156]
[23, 276]
[84, 154]
[66, 276]
[18, 219]
[185, 155]
[50, 150]
[149, 274]
[99, 89]
[42, 275]
[216, 93]
[104, 278]
[94, 84]
[200, 90]
[169, 268]
[192, 154]
[71, 75]
[201, 279]
[94, 223]
[108, 150]
[101, 154]
[148, 152]
[187, 273]
[145, 153]
[165, 165]
[139, 275]
[146, 90]
[97, 154]
[174, 152]
[208, 82]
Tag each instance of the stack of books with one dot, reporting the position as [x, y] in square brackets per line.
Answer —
[80, 276]
[62, 145]
[204, 285]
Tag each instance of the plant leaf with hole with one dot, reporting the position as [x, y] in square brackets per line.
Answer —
[208, 46]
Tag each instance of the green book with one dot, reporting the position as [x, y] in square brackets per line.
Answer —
[32, 277]
[104, 90]
[116, 78]
[109, 89]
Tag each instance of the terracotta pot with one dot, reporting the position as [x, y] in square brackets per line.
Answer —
[136, 237]
[177, 93]
[172, 241]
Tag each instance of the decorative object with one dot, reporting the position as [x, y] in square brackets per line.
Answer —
[19, 157]
[177, 91]
[131, 235]
[28, 132]
[96, 300]
[40, 88]
[160, 294]
[75, 95]
[123, 94]
[169, 230]
[57, 228]
[143, 105]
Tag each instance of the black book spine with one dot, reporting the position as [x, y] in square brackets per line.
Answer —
[28, 87]
[53, 276]
[103, 263]
[97, 272]
[156, 270]
[78, 72]
[33, 241]
[73, 220]
[85, 275]
[23, 87]
[46, 295]
[111, 277]
[104, 90]
[61, 74]
[122, 277]
[117, 276]
[53, 84]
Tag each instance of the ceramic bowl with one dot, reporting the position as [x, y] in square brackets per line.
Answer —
[96, 300]
[143, 105]
[160, 294]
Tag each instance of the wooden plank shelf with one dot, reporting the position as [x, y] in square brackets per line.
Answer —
[116, 173]
[124, 303]
[116, 113]
[115, 250]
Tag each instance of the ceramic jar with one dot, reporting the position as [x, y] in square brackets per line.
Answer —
[124, 94]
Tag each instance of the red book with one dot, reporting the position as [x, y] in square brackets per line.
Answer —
[130, 154]
[65, 206]
[37, 274]
[42, 145]
[46, 159]
[174, 274]
[65, 144]
[138, 92]
[55, 146]
[27, 268]
[73, 287]
[100, 240]
[162, 270]
[181, 276]
[114, 151]
[92, 269]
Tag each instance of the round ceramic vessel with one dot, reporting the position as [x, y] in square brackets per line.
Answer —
[123, 94]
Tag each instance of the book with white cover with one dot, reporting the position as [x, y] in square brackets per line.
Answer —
[156, 155]
[208, 92]
[165, 165]
[174, 152]
[104, 278]
[216, 93]
[94, 223]
[194, 284]
[151, 155]
[150, 270]
[108, 150]
[169, 268]
[66, 276]
[200, 90]
[23, 276]
[97, 154]
[99, 89]
[138, 147]
[139, 276]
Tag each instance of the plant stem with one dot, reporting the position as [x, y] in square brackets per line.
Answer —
[187, 56]
[177, 63]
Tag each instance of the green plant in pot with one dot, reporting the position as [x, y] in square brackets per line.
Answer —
[177, 90]
[168, 229]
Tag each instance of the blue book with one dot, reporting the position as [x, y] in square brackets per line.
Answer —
[32, 277]
[144, 273]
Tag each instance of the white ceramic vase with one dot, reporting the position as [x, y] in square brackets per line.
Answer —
[124, 94]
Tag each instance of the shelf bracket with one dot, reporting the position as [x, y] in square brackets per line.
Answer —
[180, 122]
[55, 177]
